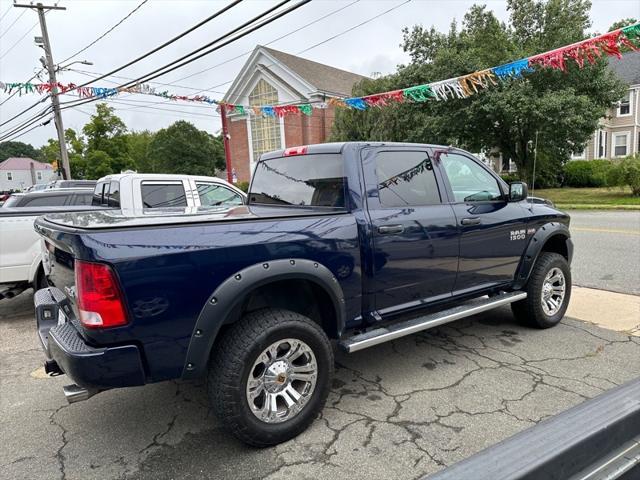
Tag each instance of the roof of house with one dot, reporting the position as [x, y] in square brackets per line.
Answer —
[23, 163]
[324, 77]
[627, 68]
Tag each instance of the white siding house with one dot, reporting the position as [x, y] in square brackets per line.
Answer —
[19, 173]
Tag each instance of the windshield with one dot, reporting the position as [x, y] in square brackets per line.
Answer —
[11, 201]
[301, 180]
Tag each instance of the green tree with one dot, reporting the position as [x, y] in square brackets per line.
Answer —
[75, 148]
[625, 22]
[182, 148]
[18, 149]
[98, 164]
[107, 133]
[139, 143]
[562, 107]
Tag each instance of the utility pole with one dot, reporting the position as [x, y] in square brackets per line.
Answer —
[225, 141]
[64, 156]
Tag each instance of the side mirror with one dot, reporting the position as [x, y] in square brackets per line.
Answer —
[518, 191]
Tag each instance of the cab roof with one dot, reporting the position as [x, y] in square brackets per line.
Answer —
[339, 147]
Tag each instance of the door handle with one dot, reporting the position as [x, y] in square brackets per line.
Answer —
[387, 229]
[470, 221]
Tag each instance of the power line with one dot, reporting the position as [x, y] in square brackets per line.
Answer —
[326, 40]
[107, 32]
[5, 13]
[268, 43]
[265, 22]
[27, 131]
[19, 40]
[172, 65]
[12, 24]
[168, 42]
[25, 110]
[251, 29]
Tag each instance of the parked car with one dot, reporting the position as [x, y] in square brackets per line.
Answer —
[50, 198]
[149, 190]
[358, 242]
[71, 184]
[20, 253]
[37, 187]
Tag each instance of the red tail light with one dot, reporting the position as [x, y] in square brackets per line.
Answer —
[295, 151]
[99, 297]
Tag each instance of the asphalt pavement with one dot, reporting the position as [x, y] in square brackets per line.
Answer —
[399, 410]
[607, 250]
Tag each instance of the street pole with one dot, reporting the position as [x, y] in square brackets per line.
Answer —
[225, 141]
[535, 159]
[55, 101]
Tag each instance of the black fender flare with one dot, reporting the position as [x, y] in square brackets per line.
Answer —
[231, 292]
[536, 243]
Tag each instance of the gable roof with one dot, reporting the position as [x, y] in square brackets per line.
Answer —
[627, 68]
[23, 163]
[324, 77]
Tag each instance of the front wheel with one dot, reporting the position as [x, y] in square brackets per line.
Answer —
[548, 292]
[270, 376]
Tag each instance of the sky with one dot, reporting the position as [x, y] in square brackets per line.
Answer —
[373, 47]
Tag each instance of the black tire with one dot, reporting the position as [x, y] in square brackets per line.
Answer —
[232, 363]
[530, 310]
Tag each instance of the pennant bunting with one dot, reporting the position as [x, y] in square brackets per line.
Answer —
[512, 70]
[588, 51]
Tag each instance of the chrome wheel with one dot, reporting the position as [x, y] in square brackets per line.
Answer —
[553, 291]
[282, 380]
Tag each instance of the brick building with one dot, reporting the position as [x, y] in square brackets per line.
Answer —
[272, 77]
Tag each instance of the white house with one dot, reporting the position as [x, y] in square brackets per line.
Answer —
[19, 173]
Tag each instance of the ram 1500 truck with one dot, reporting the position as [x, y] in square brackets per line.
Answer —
[360, 243]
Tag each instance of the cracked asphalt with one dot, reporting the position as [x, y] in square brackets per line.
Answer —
[400, 410]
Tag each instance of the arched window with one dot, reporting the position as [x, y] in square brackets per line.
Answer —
[265, 131]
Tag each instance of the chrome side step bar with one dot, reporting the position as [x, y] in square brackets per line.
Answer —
[381, 335]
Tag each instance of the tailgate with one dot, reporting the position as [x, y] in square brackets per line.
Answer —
[58, 262]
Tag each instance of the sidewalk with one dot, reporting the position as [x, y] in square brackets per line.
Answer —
[611, 310]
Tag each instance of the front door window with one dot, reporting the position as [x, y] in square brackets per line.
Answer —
[469, 181]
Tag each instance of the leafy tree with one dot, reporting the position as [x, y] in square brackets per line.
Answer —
[563, 107]
[182, 148]
[98, 164]
[107, 133]
[18, 149]
[139, 143]
[625, 22]
[75, 148]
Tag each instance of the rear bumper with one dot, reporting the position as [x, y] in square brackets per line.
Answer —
[95, 368]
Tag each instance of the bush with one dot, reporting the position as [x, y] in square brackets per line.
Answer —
[627, 172]
[244, 186]
[589, 173]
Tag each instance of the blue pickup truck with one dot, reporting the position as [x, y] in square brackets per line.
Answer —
[360, 243]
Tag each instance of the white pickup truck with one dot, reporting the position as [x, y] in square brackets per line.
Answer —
[137, 191]
[20, 257]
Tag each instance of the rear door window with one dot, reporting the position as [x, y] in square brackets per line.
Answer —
[99, 194]
[212, 194]
[315, 180]
[82, 198]
[163, 194]
[114, 194]
[46, 201]
[406, 178]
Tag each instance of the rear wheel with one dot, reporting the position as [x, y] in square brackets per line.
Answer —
[270, 375]
[548, 292]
